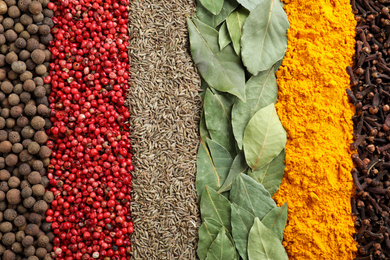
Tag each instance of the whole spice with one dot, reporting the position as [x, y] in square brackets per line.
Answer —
[90, 163]
[370, 94]
[317, 183]
[23, 190]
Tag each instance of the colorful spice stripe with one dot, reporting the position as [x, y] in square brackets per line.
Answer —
[370, 94]
[314, 109]
[91, 163]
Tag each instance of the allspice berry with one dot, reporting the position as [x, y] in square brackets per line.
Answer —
[13, 196]
[40, 207]
[3, 8]
[11, 160]
[38, 190]
[34, 178]
[33, 148]
[38, 123]
[8, 239]
[27, 241]
[5, 147]
[35, 7]
[38, 56]
[48, 197]
[10, 214]
[18, 66]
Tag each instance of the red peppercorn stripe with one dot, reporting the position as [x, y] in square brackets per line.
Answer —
[91, 163]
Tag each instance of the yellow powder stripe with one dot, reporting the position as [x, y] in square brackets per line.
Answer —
[314, 109]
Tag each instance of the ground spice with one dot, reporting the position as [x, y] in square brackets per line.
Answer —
[313, 107]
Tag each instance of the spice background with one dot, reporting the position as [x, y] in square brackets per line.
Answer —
[314, 109]
[165, 108]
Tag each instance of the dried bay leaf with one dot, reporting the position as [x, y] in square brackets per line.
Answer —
[263, 244]
[238, 166]
[251, 195]
[250, 4]
[222, 70]
[260, 90]
[242, 221]
[204, 133]
[208, 231]
[223, 37]
[213, 6]
[217, 109]
[264, 137]
[213, 164]
[264, 41]
[216, 206]
[270, 175]
[235, 22]
[214, 20]
[276, 220]
[222, 247]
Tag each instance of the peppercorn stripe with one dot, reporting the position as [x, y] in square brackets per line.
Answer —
[90, 164]
[24, 117]
[314, 109]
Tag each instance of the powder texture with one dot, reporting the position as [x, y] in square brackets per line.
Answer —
[314, 108]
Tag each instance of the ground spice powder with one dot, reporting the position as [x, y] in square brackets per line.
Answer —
[314, 108]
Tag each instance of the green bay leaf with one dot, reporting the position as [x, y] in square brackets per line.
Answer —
[276, 220]
[223, 36]
[213, 164]
[204, 133]
[238, 166]
[216, 206]
[264, 41]
[251, 195]
[270, 175]
[213, 6]
[222, 70]
[214, 20]
[260, 90]
[263, 244]
[222, 248]
[242, 221]
[264, 137]
[208, 231]
[249, 4]
[235, 22]
[217, 109]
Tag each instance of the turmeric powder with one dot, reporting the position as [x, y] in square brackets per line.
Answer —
[314, 109]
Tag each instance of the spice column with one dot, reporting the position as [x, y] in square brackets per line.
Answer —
[90, 164]
[314, 109]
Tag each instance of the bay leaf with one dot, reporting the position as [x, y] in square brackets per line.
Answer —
[278, 64]
[213, 164]
[222, 247]
[217, 109]
[263, 244]
[213, 6]
[238, 166]
[203, 87]
[270, 175]
[264, 41]
[276, 220]
[216, 206]
[235, 22]
[214, 20]
[208, 231]
[251, 195]
[223, 36]
[242, 221]
[260, 90]
[249, 4]
[222, 70]
[264, 137]
[204, 133]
